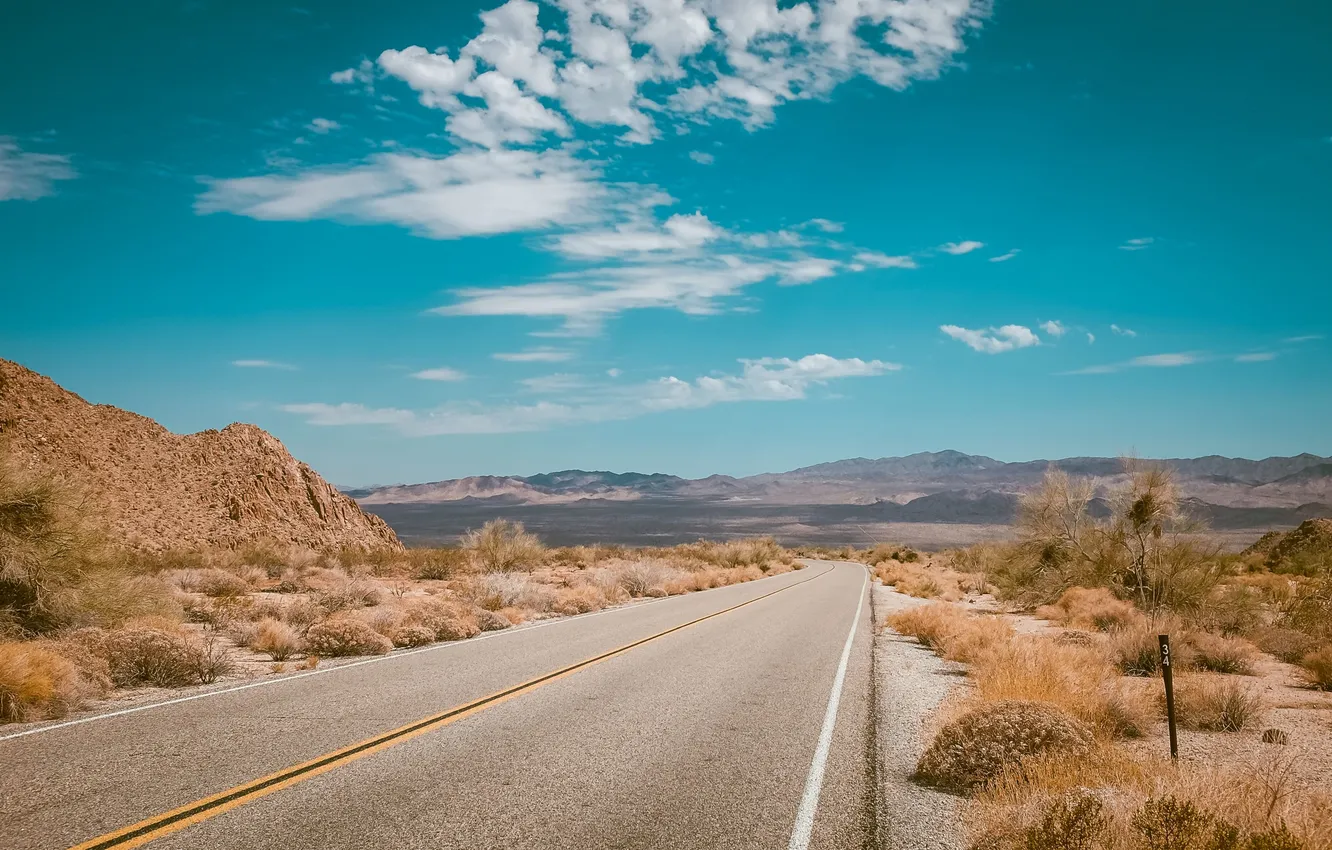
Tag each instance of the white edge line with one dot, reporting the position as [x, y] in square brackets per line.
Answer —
[809, 802]
[389, 657]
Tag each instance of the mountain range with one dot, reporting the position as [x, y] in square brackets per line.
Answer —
[946, 486]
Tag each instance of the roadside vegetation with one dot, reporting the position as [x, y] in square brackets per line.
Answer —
[1057, 740]
[79, 618]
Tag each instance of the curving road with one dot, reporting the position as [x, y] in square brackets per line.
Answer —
[733, 718]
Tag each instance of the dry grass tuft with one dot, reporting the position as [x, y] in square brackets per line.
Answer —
[921, 581]
[1317, 668]
[1217, 704]
[345, 636]
[950, 631]
[1091, 608]
[976, 747]
[37, 682]
[276, 639]
[1219, 654]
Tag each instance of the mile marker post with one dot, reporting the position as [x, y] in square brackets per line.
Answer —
[1166, 665]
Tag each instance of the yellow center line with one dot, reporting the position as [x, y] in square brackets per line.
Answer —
[138, 834]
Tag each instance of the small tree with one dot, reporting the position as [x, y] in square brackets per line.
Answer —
[1148, 548]
[503, 546]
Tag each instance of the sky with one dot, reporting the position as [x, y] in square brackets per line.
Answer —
[419, 241]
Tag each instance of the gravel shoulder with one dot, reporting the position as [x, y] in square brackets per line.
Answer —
[911, 682]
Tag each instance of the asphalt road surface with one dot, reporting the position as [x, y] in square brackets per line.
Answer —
[750, 727]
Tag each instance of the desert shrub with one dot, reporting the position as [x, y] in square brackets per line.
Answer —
[152, 654]
[302, 613]
[973, 749]
[578, 600]
[213, 660]
[951, 632]
[437, 564]
[37, 682]
[1075, 820]
[1136, 650]
[220, 583]
[1216, 704]
[1309, 610]
[644, 578]
[349, 595]
[503, 546]
[344, 636]
[1287, 644]
[55, 567]
[1219, 654]
[490, 621]
[276, 639]
[1170, 823]
[413, 635]
[511, 590]
[1317, 667]
[1092, 608]
[446, 620]
[1232, 609]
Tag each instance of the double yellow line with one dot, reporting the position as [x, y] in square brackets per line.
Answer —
[138, 834]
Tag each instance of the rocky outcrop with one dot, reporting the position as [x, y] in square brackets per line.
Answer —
[157, 490]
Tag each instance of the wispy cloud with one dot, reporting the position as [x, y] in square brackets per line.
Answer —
[827, 226]
[1305, 338]
[1159, 361]
[702, 157]
[1123, 331]
[993, 340]
[1091, 338]
[443, 373]
[1138, 244]
[1003, 258]
[957, 248]
[1054, 328]
[1256, 357]
[885, 261]
[764, 379]
[535, 355]
[263, 364]
[27, 176]
[557, 383]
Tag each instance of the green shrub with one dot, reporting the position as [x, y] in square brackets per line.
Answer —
[974, 748]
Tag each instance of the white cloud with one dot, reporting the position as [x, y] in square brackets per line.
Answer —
[956, 248]
[614, 373]
[27, 176]
[1054, 328]
[363, 73]
[1091, 338]
[1305, 338]
[764, 379]
[702, 157]
[827, 226]
[885, 261]
[323, 125]
[1139, 244]
[1256, 357]
[1158, 361]
[1167, 360]
[465, 194]
[1003, 258]
[557, 383]
[679, 233]
[263, 364]
[443, 373]
[993, 340]
[535, 355]
[1123, 331]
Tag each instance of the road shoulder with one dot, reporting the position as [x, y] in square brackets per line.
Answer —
[910, 684]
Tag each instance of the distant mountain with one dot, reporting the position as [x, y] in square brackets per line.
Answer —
[946, 486]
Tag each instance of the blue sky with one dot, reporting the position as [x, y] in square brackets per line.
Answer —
[422, 241]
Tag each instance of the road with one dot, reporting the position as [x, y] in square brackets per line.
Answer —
[745, 728]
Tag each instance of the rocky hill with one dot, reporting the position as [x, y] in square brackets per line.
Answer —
[158, 490]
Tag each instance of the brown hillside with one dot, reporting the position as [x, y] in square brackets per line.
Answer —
[158, 490]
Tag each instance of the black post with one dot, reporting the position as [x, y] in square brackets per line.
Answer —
[1166, 665]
